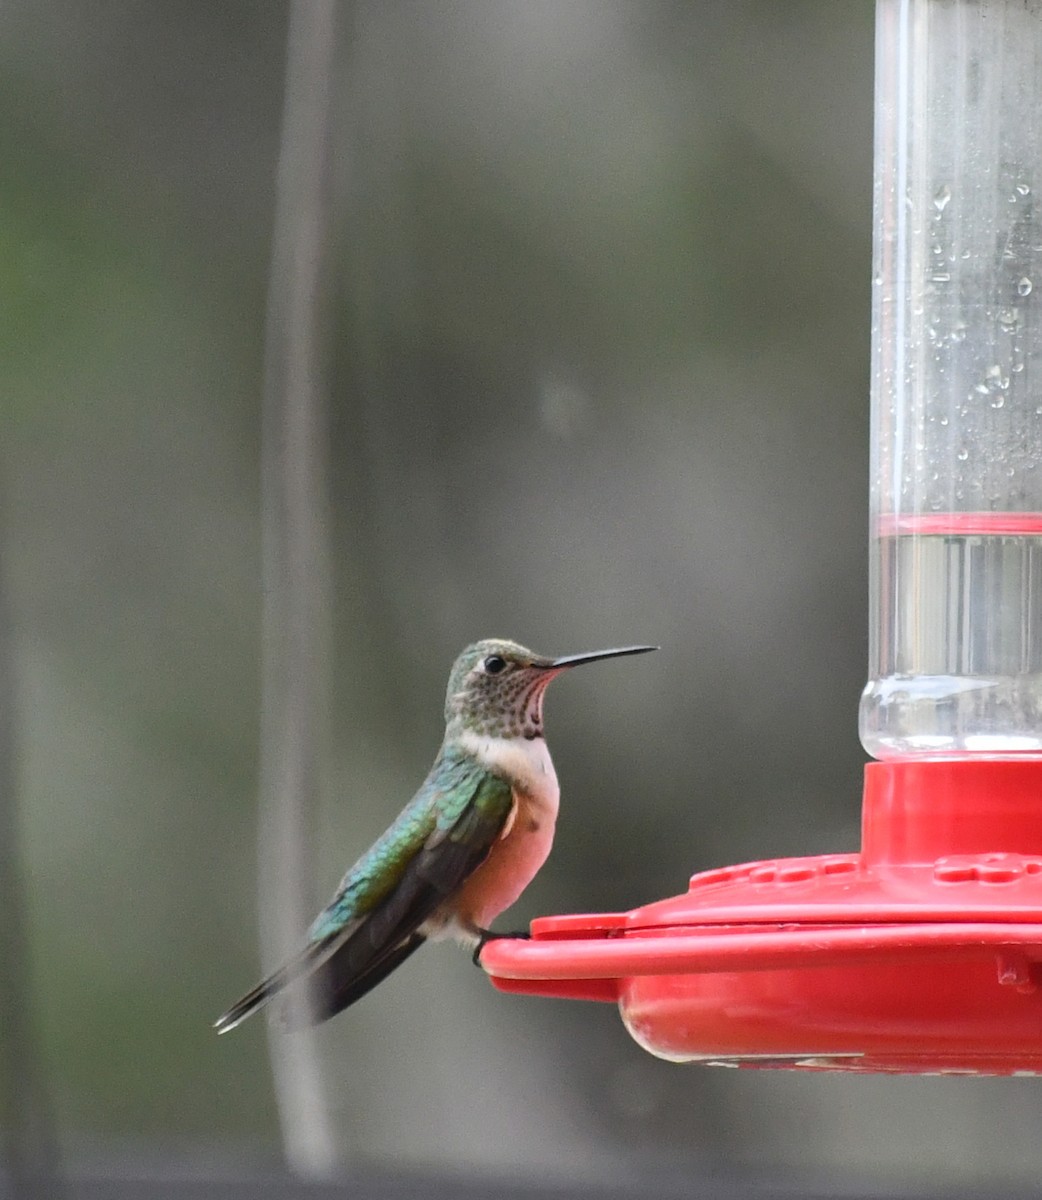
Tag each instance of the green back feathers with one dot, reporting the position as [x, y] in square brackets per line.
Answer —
[459, 801]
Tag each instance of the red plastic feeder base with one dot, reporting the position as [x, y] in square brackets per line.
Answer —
[921, 954]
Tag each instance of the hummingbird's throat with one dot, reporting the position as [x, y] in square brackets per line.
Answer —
[513, 709]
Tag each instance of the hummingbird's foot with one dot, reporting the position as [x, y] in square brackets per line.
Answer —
[487, 935]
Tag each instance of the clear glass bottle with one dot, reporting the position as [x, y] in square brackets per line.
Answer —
[956, 491]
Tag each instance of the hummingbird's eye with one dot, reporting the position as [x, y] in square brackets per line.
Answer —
[494, 664]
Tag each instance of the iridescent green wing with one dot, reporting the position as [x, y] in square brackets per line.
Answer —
[373, 922]
[470, 808]
[444, 832]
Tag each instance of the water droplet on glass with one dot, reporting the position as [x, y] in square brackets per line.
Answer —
[959, 331]
[941, 277]
[1024, 286]
[1009, 319]
[998, 401]
[1010, 472]
[962, 454]
[944, 421]
[995, 380]
[1023, 189]
[941, 198]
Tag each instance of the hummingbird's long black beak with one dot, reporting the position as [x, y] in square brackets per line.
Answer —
[574, 660]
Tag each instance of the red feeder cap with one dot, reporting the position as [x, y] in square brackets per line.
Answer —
[923, 953]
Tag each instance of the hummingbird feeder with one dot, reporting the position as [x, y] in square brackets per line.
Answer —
[923, 952]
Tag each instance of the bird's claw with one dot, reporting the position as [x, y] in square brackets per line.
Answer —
[486, 935]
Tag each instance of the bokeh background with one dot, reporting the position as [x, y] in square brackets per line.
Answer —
[598, 374]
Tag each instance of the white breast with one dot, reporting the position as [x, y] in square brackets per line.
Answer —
[524, 761]
[523, 845]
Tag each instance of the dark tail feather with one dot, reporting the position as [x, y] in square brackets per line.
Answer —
[308, 961]
[338, 983]
[329, 975]
[245, 1007]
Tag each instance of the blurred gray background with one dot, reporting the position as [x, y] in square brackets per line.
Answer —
[598, 374]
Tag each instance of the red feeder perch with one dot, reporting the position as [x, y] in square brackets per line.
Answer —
[923, 953]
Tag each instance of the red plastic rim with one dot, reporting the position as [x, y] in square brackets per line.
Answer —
[959, 524]
[683, 952]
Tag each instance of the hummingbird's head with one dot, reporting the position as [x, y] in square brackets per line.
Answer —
[496, 686]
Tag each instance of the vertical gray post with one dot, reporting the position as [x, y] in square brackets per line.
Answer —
[29, 1144]
[295, 561]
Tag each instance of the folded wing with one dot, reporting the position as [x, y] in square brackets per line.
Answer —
[375, 920]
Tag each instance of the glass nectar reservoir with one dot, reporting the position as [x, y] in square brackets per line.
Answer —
[956, 492]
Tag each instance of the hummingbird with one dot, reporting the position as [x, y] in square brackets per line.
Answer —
[461, 851]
